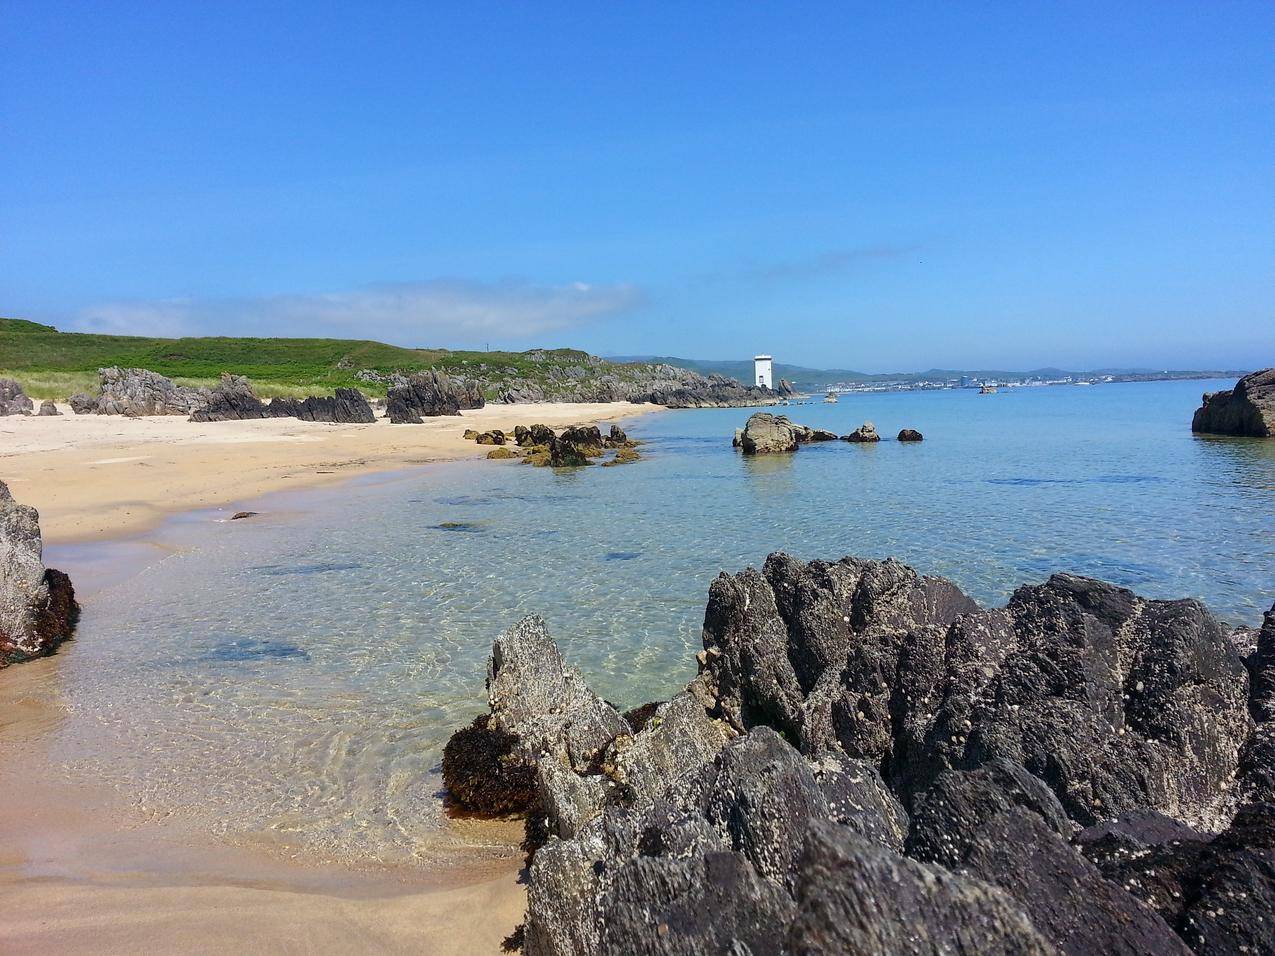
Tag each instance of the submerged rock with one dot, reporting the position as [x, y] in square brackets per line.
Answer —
[1247, 409]
[38, 610]
[870, 762]
[13, 400]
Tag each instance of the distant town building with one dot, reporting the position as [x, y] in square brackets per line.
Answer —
[966, 381]
[763, 374]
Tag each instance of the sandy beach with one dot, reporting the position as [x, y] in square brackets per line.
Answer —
[94, 477]
[80, 871]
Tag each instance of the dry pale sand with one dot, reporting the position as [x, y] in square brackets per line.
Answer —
[82, 873]
[93, 477]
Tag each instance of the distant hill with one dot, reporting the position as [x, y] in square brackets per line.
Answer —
[817, 379]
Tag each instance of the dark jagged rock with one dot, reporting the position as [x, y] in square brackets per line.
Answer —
[232, 399]
[767, 805]
[821, 434]
[910, 434]
[38, 610]
[617, 436]
[1261, 669]
[240, 515]
[867, 432]
[348, 406]
[48, 409]
[1247, 409]
[1065, 896]
[853, 897]
[951, 816]
[1218, 894]
[429, 394]
[540, 434]
[493, 437]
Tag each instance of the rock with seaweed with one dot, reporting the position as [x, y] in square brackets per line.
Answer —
[868, 759]
[38, 610]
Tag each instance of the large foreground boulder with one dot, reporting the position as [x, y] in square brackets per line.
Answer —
[37, 604]
[13, 400]
[767, 434]
[1247, 409]
[869, 762]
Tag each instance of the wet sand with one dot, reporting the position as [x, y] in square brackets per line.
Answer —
[100, 476]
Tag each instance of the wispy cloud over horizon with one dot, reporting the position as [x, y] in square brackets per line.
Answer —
[421, 313]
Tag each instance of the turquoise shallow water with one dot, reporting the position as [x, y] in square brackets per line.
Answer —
[294, 677]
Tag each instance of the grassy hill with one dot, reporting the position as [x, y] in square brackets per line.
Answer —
[53, 364]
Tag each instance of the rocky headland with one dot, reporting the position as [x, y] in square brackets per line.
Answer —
[870, 762]
[37, 604]
[1247, 409]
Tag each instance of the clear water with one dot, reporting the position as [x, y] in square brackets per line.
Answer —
[293, 678]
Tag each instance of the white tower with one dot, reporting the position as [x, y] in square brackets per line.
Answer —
[762, 374]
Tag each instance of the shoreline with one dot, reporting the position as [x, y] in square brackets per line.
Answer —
[99, 477]
[81, 870]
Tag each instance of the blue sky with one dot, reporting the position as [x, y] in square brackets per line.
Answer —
[872, 186]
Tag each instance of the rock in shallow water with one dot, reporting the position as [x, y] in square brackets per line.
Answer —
[765, 808]
[38, 610]
[1248, 409]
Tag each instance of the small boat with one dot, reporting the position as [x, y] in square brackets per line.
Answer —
[987, 390]
[831, 398]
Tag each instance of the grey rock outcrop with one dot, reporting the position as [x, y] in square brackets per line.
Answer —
[13, 400]
[429, 394]
[870, 762]
[138, 392]
[37, 604]
[48, 409]
[1247, 409]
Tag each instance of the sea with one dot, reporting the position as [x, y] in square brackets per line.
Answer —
[292, 679]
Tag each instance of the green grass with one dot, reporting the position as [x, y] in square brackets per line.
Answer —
[53, 364]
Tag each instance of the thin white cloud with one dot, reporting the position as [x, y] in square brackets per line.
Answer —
[434, 312]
